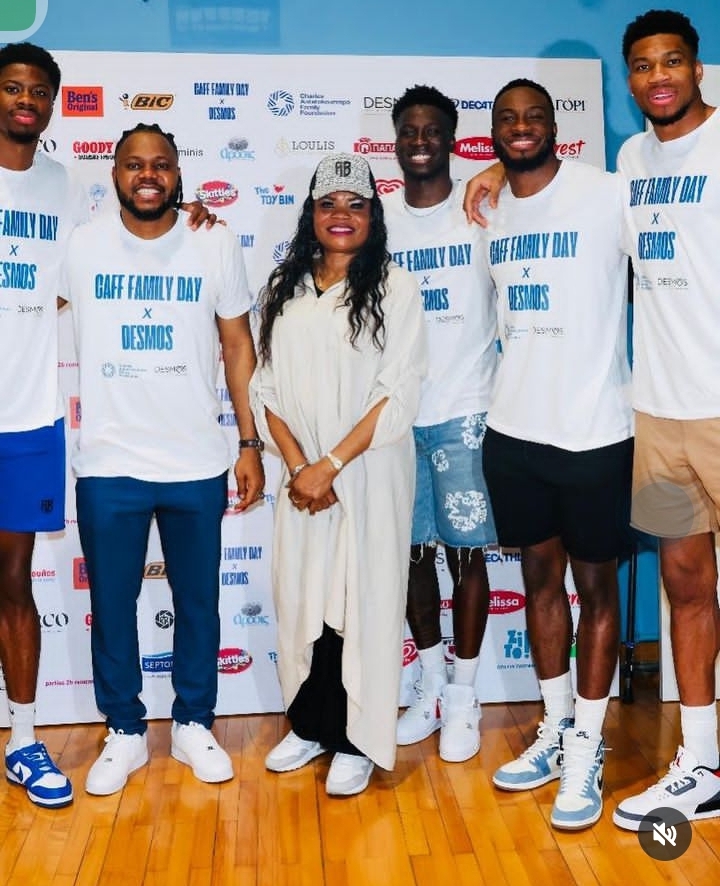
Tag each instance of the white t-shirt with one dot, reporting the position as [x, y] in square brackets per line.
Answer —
[558, 262]
[672, 207]
[446, 255]
[144, 313]
[39, 207]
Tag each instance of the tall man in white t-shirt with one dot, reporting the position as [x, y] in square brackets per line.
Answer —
[40, 205]
[152, 304]
[558, 449]
[672, 203]
[428, 235]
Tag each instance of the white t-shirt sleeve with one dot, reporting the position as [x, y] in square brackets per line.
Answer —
[234, 298]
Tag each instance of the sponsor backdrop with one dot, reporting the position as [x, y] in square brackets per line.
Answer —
[668, 681]
[250, 130]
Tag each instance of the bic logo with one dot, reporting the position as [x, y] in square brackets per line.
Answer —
[21, 18]
[147, 101]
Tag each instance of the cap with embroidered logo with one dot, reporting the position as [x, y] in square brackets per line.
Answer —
[343, 172]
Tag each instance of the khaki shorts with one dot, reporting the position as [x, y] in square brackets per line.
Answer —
[676, 476]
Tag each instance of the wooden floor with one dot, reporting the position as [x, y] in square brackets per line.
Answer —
[427, 823]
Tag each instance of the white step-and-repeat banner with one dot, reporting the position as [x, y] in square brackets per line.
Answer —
[250, 130]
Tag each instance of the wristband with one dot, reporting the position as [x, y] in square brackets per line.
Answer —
[334, 461]
[296, 470]
[250, 443]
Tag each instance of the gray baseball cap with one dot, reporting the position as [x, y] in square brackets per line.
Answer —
[343, 172]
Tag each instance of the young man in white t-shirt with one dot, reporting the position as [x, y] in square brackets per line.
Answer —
[152, 304]
[428, 235]
[558, 448]
[672, 203]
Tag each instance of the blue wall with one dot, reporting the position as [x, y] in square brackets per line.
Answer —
[554, 28]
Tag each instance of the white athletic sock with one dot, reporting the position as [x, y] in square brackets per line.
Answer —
[432, 660]
[699, 732]
[590, 716]
[465, 671]
[558, 698]
[22, 725]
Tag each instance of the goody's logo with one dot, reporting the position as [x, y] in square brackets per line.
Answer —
[94, 149]
[237, 149]
[388, 185]
[280, 103]
[504, 601]
[233, 660]
[475, 147]
[216, 193]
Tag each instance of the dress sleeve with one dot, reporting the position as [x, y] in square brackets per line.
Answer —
[404, 362]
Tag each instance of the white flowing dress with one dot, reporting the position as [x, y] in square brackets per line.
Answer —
[347, 566]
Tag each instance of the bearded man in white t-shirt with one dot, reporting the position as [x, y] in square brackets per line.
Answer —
[153, 303]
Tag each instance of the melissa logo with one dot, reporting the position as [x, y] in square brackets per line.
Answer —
[21, 18]
[502, 602]
[475, 147]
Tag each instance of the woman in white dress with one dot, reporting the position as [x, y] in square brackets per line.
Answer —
[342, 355]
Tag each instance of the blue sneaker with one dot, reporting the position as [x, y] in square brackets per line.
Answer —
[579, 801]
[32, 768]
[538, 764]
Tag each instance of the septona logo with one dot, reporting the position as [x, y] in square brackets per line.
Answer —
[502, 602]
[82, 101]
[409, 652]
[80, 576]
[280, 103]
[216, 193]
[93, 150]
[155, 569]
[475, 147]
[388, 185]
[147, 101]
[367, 147]
[164, 619]
[233, 660]
[158, 663]
[237, 149]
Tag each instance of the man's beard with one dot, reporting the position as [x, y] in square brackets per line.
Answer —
[23, 138]
[668, 121]
[524, 164]
[148, 214]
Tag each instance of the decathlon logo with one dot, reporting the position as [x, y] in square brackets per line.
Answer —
[280, 103]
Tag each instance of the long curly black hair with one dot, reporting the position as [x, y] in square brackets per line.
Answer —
[364, 288]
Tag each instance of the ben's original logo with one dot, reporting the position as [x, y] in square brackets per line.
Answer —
[233, 660]
[217, 193]
[388, 185]
[147, 101]
[80, 576]
[82, 101]
[502, 602]
[475, 147]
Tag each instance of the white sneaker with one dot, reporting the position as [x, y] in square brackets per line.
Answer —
[195, 745]
[688, 787]
[120, 757]
[291, 753]
[422, 718]
[349, 774]
[460, 731]
[538, 764]
[579, 801]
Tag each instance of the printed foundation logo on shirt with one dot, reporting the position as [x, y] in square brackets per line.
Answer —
[82, 101]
